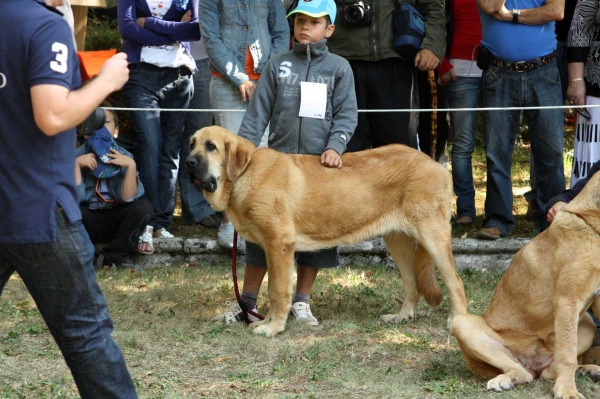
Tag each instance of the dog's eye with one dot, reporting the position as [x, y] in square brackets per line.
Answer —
[210, 146]
[192, 143]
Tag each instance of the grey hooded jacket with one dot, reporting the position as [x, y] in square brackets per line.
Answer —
[276, 100]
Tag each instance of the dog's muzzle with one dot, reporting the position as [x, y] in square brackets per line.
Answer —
[198, 174]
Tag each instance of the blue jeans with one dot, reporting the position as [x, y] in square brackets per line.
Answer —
[501, 88]
[61, 279]
[194, 207]
[463, 93]
[159, 134]
[225, 95]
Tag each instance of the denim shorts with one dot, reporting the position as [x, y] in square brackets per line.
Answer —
[322, 259]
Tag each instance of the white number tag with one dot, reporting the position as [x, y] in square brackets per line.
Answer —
[313, 100]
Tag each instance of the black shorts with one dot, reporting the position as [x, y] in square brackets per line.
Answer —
[322, 259]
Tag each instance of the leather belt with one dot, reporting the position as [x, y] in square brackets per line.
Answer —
[523, 66]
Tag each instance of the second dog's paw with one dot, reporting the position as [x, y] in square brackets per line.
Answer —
[397, 317]
[501, 383]
[561, 392]
[592, 370]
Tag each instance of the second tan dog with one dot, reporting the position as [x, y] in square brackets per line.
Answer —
[289, 202]
[537, 324]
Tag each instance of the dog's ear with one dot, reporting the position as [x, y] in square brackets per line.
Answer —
[239, 151]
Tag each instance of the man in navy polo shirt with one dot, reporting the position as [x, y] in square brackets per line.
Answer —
[41, 234]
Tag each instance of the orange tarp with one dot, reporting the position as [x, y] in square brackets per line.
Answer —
[90, 62]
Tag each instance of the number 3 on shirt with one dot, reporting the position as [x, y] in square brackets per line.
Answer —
[62, 56]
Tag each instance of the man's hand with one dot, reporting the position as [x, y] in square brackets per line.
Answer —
[448, 76]
[116, 158]
[331, 159]
[425, 60]
[87, 161]
[503, 14]
[247, 89]
[554, 210]
[141, 21]
[114, 72]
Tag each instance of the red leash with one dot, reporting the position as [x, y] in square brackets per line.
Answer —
[242, 304]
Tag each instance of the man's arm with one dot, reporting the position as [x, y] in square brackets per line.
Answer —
[490, 6]
[553, 10]
[56, 108]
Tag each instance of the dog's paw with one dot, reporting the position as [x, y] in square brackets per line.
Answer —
[561, 392]
[501, 383]
[267, 329]
[401, 317]
[592, 370]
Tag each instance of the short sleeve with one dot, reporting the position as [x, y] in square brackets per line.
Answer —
[53, 59]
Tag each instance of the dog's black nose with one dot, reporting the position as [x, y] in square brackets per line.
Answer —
[191, 161]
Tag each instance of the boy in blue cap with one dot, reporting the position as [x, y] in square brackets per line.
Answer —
[307, 95]
[109, 192]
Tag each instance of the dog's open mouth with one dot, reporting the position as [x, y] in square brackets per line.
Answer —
[210, 186]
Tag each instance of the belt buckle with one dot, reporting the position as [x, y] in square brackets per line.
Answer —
[520, 66]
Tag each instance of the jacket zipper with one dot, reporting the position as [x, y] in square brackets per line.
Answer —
[306, 80]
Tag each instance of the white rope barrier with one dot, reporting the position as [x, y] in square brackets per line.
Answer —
[371, 110]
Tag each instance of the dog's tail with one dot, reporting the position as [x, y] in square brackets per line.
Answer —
[427, 284]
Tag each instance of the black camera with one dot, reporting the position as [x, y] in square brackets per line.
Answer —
[357, 14]
[93, 122]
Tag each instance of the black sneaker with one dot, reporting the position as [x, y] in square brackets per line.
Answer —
[210, 222]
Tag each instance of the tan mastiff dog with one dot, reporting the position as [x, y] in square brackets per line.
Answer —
[537, 324]
[288, 203]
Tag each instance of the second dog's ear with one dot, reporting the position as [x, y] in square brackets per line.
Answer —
[239, 152]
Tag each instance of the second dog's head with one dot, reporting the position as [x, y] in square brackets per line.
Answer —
[217, 156]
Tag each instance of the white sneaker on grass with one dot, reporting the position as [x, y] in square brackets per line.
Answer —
[235, 314]
[302, 314]
[225, 235]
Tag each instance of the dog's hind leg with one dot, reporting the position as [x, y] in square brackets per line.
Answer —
[280, 269]
[436, 238]
[590, 362]
[402, 248]
[486, 355]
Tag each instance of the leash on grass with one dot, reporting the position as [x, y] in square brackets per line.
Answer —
[434, 105]
[238, 297]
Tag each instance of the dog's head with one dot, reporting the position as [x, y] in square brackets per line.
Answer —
[217, 156]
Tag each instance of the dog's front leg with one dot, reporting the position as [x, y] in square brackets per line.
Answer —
[565, 347]
[280, 269]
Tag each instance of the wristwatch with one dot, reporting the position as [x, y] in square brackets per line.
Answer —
[516, 14]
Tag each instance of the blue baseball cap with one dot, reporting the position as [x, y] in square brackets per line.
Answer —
[100, 143]
[316, 8]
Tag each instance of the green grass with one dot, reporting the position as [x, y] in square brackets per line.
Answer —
[173, 350]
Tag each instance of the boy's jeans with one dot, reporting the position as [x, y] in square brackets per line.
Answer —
[502, 88]
[463, 94]
[61, 279]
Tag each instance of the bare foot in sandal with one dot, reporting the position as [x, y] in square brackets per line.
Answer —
[146, 244]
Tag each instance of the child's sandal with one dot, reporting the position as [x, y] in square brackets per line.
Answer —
[146, 238]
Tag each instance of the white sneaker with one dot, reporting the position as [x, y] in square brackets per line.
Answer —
[225, 235]
[165, 234]
[235, 314]
[302, 313]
